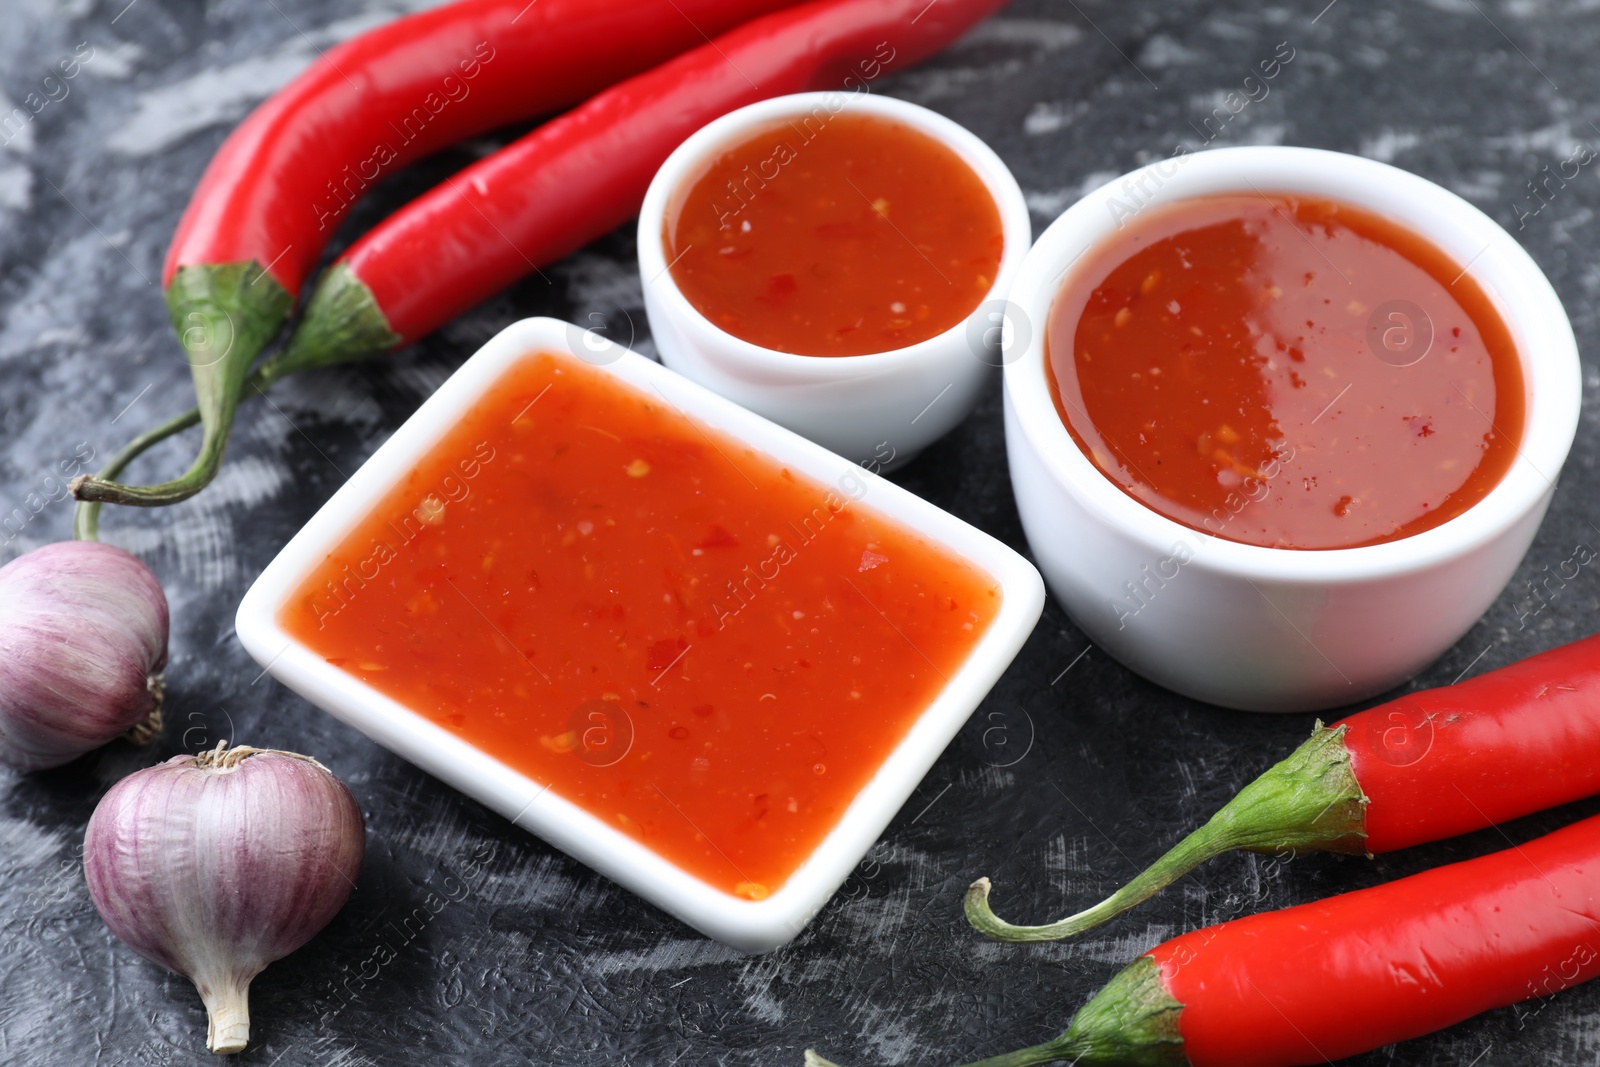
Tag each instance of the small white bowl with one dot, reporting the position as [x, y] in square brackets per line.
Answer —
[752, 926]
[884, 404]
[1262, 628]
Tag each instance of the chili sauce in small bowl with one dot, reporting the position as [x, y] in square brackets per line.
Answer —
[1281, 423]
[1286, 371]
[700, 653]
[837, 262]
[860, 235]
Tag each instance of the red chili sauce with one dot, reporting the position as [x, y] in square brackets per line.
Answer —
[702, 648]
[1286, 372]
[835, 235]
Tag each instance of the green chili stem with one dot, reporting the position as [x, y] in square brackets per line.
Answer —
[86, 518]
[1049, 1052]
[1132, 1022]
[1310, 802]
[224, 314]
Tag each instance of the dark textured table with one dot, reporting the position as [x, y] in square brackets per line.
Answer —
[1073, 773]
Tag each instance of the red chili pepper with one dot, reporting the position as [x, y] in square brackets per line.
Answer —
[585, 173]
[1426, 766]
[279, 185]
[1317, 982]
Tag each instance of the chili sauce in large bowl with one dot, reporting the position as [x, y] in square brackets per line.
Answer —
[835, 235]
[671, 630]
[1286, 372]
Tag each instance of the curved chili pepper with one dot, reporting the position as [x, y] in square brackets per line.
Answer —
[1321, 981]
[1426, 766]
[583, 174]
[829, 39]
[280, 184]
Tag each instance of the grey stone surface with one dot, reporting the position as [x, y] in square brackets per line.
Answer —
[544, 961]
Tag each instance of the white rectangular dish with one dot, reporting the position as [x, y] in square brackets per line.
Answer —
[749, 925]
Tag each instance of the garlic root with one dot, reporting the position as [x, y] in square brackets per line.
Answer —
[228, 1008]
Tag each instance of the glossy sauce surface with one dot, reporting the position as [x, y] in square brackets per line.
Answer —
[1286, 372]
[835, 236]
[707, 651]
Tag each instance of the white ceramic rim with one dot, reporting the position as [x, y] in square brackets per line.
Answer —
[690, 158]
[756, 925]
[1508, 275]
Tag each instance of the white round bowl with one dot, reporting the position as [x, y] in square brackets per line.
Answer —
[881, 408]
[1268, 629]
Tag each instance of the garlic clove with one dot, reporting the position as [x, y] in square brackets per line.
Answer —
[216, 865]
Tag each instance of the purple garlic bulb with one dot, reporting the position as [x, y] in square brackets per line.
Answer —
[218, 864]
[83, 640]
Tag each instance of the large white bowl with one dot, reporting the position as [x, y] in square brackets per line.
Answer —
[753, 926]
[880, 408]
[1263, 628]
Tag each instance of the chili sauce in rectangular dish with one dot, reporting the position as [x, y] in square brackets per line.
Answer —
[1286, 372]
[700, 647]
